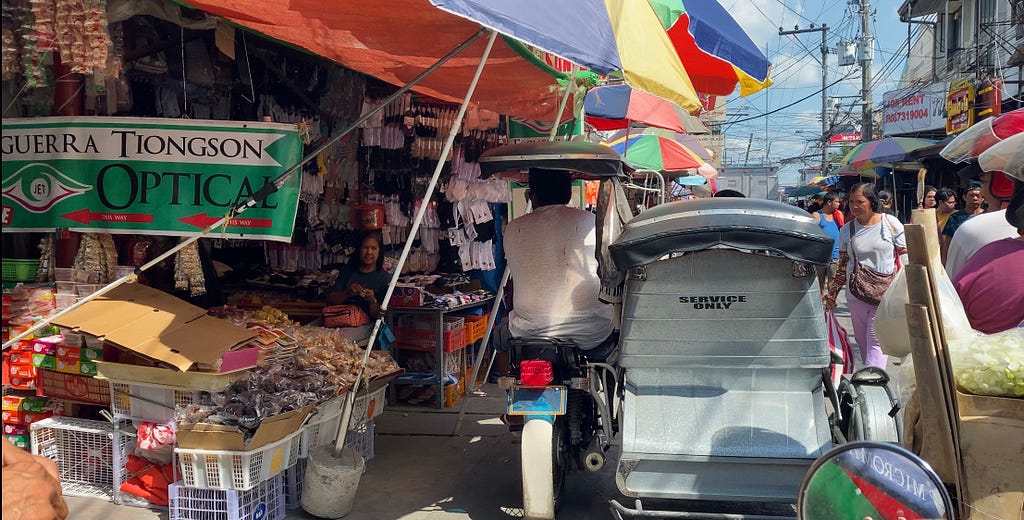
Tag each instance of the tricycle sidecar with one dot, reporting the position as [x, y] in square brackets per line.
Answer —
[723, 351]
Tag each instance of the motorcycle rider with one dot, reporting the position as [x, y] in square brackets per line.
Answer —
[551, 256]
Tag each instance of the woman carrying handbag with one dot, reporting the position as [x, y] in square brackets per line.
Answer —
[870, 246]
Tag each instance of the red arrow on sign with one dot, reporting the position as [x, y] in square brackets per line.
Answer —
[85, 216]
[202, 220]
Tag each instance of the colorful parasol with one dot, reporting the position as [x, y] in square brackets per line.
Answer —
[690, 141]
[978, 138]
[654, 152]
[716, 51]
[872, 154]
[613, 107]
[823, 180]
[661, 46]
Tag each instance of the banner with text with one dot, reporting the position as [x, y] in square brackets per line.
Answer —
[151, 176]
[914, 109]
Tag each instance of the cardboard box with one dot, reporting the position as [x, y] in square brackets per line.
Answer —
[44, 361]
[27, 403]
[15, 429]
[21, 441]
[20, 359]
[46, 345]
[203, 436]
[162, 327]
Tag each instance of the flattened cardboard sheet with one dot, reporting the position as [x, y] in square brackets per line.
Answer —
[157, 325]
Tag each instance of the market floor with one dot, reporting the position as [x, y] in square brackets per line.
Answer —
[421, 471]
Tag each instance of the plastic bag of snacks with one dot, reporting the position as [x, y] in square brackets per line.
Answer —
[989, 364]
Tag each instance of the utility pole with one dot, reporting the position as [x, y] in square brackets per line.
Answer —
[750, 142]
[866, 51]
[824, 95]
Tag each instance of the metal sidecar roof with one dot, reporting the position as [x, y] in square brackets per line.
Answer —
[746, 224]
[585, 160]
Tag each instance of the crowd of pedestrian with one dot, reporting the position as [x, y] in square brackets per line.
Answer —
[981, 237]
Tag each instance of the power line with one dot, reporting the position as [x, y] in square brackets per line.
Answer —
[801, 100]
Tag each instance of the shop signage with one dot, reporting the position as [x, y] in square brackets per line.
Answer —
[915, 109]
[960, 106]
[843, 138]
[152, 176]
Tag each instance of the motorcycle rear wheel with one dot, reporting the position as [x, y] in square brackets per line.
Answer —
[543, 468]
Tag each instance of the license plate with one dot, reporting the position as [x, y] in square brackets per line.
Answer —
[547, 400]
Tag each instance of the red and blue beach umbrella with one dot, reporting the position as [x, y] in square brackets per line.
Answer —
[669, 48]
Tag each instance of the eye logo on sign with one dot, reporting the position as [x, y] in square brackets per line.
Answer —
[37, 187]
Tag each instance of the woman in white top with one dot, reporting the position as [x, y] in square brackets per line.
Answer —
[874, 240]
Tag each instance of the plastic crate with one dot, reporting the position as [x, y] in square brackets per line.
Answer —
[237, 470]
[293, 478]
[360, 439]
[156, 403]
[416, 339]
[320, 430]
[83, 451]
[368, 406]
[17, 270]
[264, 502]
[476, 327]
[74, 387]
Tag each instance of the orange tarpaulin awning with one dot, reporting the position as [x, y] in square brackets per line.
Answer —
[394, 41]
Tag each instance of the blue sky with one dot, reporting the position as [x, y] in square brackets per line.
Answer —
[796, 71]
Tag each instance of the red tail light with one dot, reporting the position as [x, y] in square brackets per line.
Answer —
[535, 372]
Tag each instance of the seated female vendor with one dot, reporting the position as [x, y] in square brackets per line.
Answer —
[363, 281]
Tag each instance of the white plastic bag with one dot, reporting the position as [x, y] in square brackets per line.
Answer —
[891, 318]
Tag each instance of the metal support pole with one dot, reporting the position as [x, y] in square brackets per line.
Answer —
[866, 48]
[824, 93]
[264, 192]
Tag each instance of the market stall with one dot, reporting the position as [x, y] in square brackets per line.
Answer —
[145, 399]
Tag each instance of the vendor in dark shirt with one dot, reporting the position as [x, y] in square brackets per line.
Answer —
[363, 281]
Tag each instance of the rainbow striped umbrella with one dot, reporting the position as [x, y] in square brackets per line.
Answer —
[654, 152]
[873, 154]
[669, 48]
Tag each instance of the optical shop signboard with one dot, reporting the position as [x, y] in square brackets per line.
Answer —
[148, 176]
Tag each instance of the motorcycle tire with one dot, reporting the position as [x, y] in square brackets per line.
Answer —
[543, 468]
[866, 413]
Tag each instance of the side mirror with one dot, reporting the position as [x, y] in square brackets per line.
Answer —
[872, 480]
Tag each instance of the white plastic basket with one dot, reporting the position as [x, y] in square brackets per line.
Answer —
[156, 403]
[293, 478]
[368, 406]
[237, 470]
[360, 439]
[319, 431]
[83, 451]
[265, 502]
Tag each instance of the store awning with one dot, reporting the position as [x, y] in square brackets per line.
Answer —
[395, 40]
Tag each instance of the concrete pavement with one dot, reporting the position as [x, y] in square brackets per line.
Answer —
[421, 471]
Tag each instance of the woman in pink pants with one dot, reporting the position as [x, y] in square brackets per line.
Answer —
[874, 240]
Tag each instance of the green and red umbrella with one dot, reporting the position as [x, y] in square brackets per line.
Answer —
[654, 152]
